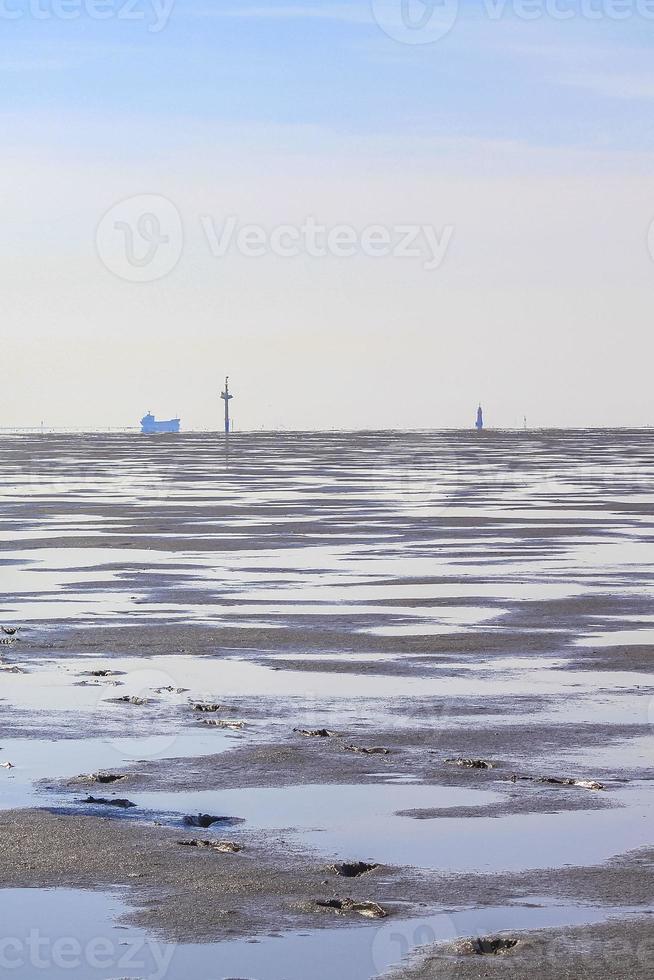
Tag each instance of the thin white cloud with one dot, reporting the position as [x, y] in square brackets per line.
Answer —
[357, 12]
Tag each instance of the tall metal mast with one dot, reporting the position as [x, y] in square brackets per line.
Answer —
[225, 395]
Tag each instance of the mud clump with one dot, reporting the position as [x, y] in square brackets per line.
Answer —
[103, 801]
[342, 906]
[101, 777]
[102, 673]
[235, 726]
[471, 763]
[352, 869]
[223, 846]
[96, 682]
[209, 708]
[374, 750]
[130, 699]
[315, 732]
[485, 946]
[206, 820]
[592, 784]
[582, 783]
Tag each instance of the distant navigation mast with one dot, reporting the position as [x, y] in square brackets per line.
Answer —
[479, 424]
[225, 395]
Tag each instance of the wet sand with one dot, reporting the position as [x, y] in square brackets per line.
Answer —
[439, 596]
[591, 952]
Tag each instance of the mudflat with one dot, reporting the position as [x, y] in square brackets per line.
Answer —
[230, 668]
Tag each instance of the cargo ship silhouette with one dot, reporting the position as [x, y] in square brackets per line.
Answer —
[150, 425]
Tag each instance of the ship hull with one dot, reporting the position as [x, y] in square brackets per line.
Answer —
[150, 426]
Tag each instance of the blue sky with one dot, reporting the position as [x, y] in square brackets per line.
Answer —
[532, 138]
[546, 82]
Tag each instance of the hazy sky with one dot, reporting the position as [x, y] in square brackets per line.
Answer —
[513, 155]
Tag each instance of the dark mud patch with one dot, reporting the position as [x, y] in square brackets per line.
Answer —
[206, 820]
[132, 700]
[485, 946]
[353, 869]
[211, 708]
[315, 732]
[120, 804]
[104, 778]
[233, 726]
[472, 763]
[368, 749]
[346, 906]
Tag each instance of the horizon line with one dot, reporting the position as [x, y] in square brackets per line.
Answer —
[128, 430]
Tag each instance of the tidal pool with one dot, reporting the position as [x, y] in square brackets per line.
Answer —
[366, 822]
[36, 759]
[62, 933]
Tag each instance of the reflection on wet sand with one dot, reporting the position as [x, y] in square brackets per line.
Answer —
[90, 922]
[428, 591]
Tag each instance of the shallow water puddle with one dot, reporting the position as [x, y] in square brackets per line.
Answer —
[618, 638]
[43, 534]
[603, 707]
[384, 591]
[363, 823]
[316, 581]
[51, 683]
[630, 753]
[337, 809]
[95, 603]
[62, 933]
[35, 759]
[30, 580]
